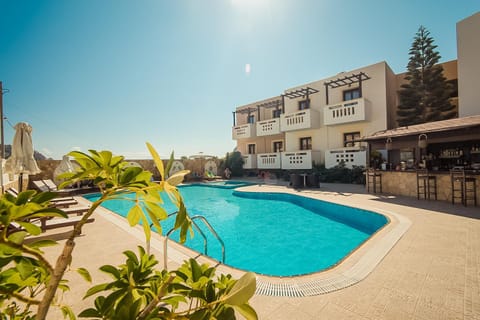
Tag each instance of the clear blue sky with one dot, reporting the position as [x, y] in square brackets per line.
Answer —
[113, 74]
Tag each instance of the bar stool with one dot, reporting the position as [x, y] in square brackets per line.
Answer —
[374, 180]
[426, 184]
[464, 187]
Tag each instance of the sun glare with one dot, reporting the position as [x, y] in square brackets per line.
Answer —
[249, 3]
[248, 68]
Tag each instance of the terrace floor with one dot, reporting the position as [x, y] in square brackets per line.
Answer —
[432, 272]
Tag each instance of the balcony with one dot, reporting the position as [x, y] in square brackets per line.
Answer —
[268, 127]
[297, 160]
[249, 161]
[354, 156]
[269, 160]
[300, 120]
[243, 131]
[345, 112]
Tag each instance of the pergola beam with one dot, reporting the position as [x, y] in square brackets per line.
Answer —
[303, 92]
[346, 81]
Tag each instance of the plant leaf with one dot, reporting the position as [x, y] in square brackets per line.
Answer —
[247, 311]
[242, 290]
[67, 311]
[157, 160]
[95, 289]
[85, 274]
[134, 215]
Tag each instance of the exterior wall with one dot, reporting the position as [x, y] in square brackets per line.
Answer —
[292, 142]
[374, 91]
[391, 91]
[262, 144]
[324, 137]
[468, 52]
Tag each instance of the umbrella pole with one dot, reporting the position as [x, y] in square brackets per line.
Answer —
[20, 182]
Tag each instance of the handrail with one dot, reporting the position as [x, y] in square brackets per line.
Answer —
[213, 232]
[209, 226]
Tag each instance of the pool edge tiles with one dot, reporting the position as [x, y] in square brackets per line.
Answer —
[351, 270]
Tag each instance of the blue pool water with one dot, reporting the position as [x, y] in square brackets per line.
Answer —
[272, 233]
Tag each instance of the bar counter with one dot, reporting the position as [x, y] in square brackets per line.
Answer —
[404, 183]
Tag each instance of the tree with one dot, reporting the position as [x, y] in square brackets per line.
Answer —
[28, 280]
[234, 161]
[425, 97]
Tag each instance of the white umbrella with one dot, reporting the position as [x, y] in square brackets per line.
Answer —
[65, 166]
[22, 161]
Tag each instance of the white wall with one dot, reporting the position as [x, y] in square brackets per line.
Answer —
[468, 51]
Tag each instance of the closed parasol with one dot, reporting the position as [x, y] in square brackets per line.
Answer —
[22, 161]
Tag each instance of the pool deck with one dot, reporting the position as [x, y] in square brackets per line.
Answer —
[431, 272]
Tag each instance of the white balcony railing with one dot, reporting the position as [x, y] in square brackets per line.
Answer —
[353, 156]
[269, 160]
[345, 112]
[300, 120]
[268, 127]
[297, 160]
[250, 161]
[243, 131]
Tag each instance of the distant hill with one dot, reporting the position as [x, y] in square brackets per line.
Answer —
[37, 155]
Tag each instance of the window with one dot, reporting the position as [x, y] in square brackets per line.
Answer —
[351, 94]
[276, 113]
[277, 146]
[349, 138]
[251, 118]
[251, 148]
[306, 143]
[304, 104]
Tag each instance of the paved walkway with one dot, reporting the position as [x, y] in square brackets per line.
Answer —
[432, 272]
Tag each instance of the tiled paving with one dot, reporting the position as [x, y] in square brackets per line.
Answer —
[432, 272]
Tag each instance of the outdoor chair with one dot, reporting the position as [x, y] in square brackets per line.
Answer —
[426, 185]
[374, 180]
[463, 187]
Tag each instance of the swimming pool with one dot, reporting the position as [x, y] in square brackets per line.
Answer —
[275, 234]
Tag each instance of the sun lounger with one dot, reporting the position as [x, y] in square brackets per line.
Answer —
[59, 202]
[78, 210]
[40, 186]
[68, 191]
[48, 224]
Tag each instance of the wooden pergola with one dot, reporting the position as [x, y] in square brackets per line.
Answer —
[298, 93]
[346, 81]
[275, 103]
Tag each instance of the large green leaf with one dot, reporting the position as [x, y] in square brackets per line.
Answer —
[68, 312]
[169, 164]
[85, 274]
[247, 311]
[177, 177]
[111, 270]
[134, 215]
[43, 243]
[17, 237]
[96, 289]
[242, 290]
[30, 227]
[90, 313]
[157, 160]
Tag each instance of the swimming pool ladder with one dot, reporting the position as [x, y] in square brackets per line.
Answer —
[205, 242]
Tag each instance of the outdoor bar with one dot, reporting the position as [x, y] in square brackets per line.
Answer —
[433, 153]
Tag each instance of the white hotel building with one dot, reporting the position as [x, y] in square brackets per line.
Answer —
[318, 122]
